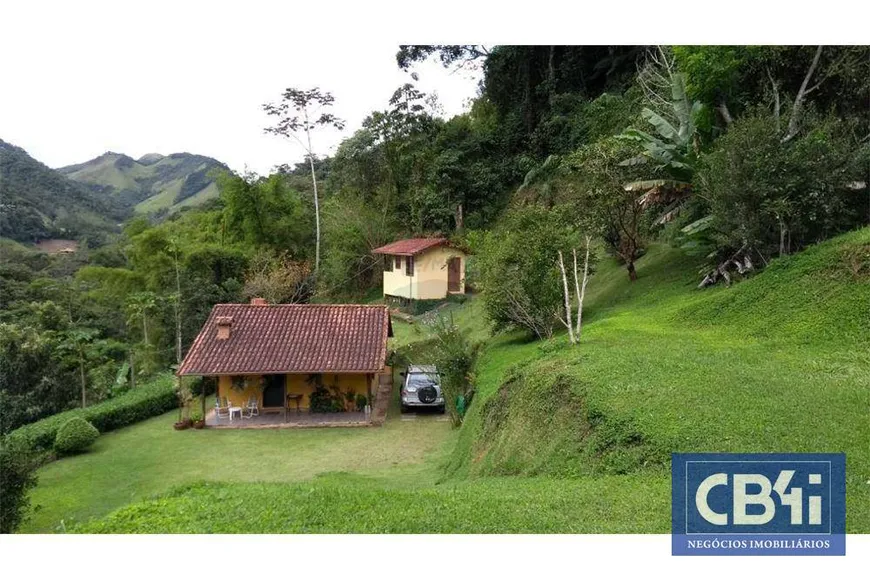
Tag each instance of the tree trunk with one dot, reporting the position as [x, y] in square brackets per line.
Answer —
[460, 218]
[177, 311]
[582, 292]
[722, 107]
[132, 360]
[82, 375]
[632, 273]
[316, 216]
[797, 108]
[781, 239]
[316, 199]
[567, 296]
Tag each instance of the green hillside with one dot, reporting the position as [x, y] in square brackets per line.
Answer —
[578, 439]
[151, 183]
[38, 202]
[780, 362]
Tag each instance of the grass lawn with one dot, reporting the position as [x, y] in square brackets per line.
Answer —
[150, 458]
[348, 503]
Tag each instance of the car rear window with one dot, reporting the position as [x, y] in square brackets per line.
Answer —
[421, 380]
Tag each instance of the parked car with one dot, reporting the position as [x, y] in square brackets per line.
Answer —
[421, 389]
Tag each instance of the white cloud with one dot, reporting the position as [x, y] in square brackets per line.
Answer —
[174, 77]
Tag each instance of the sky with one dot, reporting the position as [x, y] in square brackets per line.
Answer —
[178, 77]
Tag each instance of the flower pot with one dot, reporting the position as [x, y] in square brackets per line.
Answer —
[181, 425]
[198, 424]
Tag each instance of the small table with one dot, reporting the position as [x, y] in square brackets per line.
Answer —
[296, 398]
[234, 410]
[291, 397]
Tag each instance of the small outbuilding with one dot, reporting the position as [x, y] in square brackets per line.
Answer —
[422, 269]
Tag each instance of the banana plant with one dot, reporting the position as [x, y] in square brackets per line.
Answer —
[672, 149]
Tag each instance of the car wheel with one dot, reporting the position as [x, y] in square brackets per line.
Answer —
[404, 408]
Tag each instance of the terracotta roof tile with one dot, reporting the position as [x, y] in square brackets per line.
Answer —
[409, 247]
[291, 338]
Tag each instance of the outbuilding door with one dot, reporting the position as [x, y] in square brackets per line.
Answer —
[273, 391]
[453, 274]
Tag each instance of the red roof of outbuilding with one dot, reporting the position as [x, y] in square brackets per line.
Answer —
[291, 338]
[409, 247]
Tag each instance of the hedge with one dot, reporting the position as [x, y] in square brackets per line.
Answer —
[75, 436]
[145, 401]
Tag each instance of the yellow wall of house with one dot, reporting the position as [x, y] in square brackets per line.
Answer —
[429, 281]
[294, 384]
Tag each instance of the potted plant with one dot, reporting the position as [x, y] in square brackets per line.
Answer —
[197, 419]
[349, 401]
[182, 424]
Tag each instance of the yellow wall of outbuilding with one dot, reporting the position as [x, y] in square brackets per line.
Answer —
[429, 281]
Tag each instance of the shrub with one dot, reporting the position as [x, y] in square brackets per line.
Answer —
[16, 478]
[454, 357]
[518, 273]
[777, 197]
[75, 436]
[143, 402]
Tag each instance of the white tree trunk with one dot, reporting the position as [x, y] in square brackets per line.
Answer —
[797, 108]
[581, 293]
[567, 320]
[316, 199]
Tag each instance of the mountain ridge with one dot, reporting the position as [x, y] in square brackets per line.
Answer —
[154, 183]
[39, 202]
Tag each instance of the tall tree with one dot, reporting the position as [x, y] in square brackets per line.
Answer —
[299, 113]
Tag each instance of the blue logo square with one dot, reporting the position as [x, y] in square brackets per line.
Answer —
[758, 504]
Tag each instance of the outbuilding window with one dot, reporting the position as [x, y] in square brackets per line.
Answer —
[409, 266]
[388, 263]
[398, 262]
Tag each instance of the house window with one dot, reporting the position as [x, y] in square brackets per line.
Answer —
[398, 262]
[409, 266]
[388, 263]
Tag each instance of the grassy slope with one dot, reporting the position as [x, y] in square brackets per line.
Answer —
[579, 440]
[777, 363]
[104, 171]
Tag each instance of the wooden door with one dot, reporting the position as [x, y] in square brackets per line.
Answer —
[273, 391]
[453, 274]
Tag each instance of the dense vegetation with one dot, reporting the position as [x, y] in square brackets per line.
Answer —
[735, 158]
[38, 202]
[558, 438]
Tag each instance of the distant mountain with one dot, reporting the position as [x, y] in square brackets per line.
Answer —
[151, 183]
[37, 202]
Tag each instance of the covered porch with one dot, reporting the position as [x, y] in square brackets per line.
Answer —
[289, 418]
[285, 400]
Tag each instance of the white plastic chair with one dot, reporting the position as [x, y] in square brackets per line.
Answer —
[252, 409]
[221, 408]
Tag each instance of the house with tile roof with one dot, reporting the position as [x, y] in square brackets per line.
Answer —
[422, 269]
[281, 354]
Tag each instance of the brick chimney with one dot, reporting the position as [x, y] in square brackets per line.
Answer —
[259, 302]
[224, 323]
